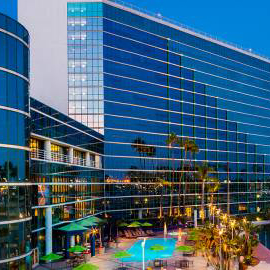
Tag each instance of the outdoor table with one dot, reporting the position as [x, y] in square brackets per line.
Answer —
[183, 263]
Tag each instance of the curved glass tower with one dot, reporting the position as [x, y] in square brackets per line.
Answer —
[15, 201]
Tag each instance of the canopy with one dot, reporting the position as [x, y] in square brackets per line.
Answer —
[157, 247]
[77, 249]
[146, 224]
[122, 254]
[185, 248]
[51, 257]
[72, 227]
[86, 266]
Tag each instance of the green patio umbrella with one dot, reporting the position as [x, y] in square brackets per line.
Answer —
[173, 233]
[123, 224]
[87, 223]
[184, 248]
[77, 249]
[146, 224]
[51, 257]
[95, 219]
[157, 247]
[72, 227]
[86, 266]
[122, 255]
[134, 224]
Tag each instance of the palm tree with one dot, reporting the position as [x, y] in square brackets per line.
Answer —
[192, 148]
[202, 173]
[212, 187]
[171, 141]
[139, 145]
[160, 184]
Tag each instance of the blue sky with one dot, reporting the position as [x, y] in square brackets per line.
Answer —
[244, 22]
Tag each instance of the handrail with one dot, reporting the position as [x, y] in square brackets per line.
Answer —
[57, 157]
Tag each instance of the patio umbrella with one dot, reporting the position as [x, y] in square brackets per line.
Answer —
[157, 247]
[123, 224]
[184, 248]
[146, 224]
[86, 266]
[134, 225]
[96, 219]
[87, 223]
[72, 227]
[77, 249]
[51, 257]
[121, 255]
[173, 233]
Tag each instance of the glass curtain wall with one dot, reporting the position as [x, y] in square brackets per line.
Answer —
[15, 201]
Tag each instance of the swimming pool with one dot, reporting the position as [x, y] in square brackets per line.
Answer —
[136, 249]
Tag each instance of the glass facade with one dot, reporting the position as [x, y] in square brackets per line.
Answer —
[150, 78]
[15, 201]
[66, 171]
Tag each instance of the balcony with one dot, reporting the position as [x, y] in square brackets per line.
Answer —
[60, 158]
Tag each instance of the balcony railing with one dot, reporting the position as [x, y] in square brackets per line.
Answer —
[56, 157]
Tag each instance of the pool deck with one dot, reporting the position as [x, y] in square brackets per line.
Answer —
[107, 262]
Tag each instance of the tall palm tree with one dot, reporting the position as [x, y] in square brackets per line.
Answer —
[202, 173]
[191, 148]
[212, 187]
[171, 141]
[160, 184]
[139, 146]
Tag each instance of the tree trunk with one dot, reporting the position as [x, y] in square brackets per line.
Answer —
[202, 203]
[180, 181]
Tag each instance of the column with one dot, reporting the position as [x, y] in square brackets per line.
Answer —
[97, 161]
[48, 230]
[47, 149]
[140, 214]
[70, 155]
[195, 217]
[93, 245]
[88, 160]
[72, 241]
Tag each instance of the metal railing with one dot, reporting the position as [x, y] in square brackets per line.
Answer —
[171, 21]
[57, 157]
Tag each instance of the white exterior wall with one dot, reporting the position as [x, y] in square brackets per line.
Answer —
[46, 21]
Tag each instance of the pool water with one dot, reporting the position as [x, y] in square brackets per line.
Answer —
[136, 249]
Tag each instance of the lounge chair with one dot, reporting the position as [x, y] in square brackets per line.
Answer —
[132, 235]
[143, 232]
[150, 233]
[127, 235]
